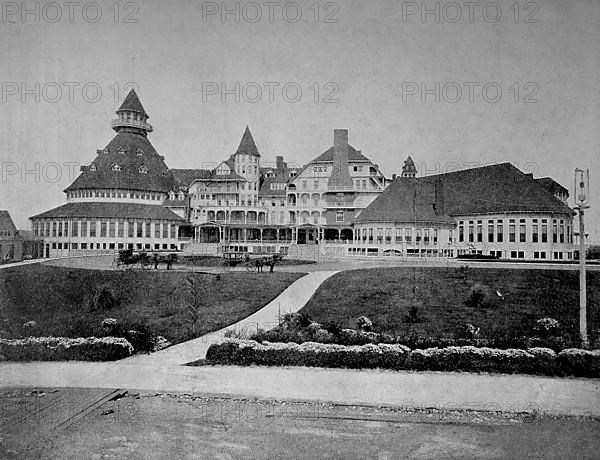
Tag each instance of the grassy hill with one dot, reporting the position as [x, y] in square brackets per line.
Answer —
[61, 300]
[448, 298]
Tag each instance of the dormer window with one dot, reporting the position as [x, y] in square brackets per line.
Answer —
[105, 150]
[115, 167]
[181, 195]
[121, 150]
[92, 167]
[164, 173]
[143, 170]
[171, 196]
[293, 174]
[139, 152]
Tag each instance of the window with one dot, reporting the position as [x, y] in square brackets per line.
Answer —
[173, 231]
[398, 235]
[426, 236]
[435, 235]
[102, 229]
[479, 232]
[490, 233]
[562, 233]
[535, 232]
[522, 233]
[140, 230]
[93, 229]
[513, 254]
[121, 150]
[148, 231]
[115, 167]
[339, 216]
[544, 233]
[379, 235]
[143, 169]
[121, 229]
[93, 168]
[511, 233]
[111, 229]
[555, 233]
[461, 234]
[408, 234]
[521, 255]
[157, 230]
[418, 236]
[388, 235]
[471, 233]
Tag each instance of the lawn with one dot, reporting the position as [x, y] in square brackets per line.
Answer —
[445, 301]
[60, 300]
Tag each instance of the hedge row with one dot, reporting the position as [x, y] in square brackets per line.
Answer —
[540, 361]
[357, 337]
[65, 349]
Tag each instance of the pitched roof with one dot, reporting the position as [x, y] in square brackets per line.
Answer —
[247, 145]
[405, 200]
[132, 102]
[551, 185]
[137, 151]
[184, 177]
[6, 222]
[495, 188]
[110, 210]
[353, 155]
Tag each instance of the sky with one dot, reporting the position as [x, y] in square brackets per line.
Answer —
[504, 82]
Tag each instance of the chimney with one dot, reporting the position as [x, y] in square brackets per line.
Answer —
[279, 163]
[340, 177]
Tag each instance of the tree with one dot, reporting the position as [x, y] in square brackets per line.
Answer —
[195, 304]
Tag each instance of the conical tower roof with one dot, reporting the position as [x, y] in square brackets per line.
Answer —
[247, 145]
[132, 103]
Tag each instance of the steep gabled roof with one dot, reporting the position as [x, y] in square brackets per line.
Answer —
[110, 210]
[353, 155]
[130, 152]
[247, 145]
[6, 222]
[132, 102]
[406, 200]
[497, 188]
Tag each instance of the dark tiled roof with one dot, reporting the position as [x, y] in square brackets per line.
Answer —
[353, 155]
[405, 200]
[110, 210]
[496, 188]
[265, 187]
[132, 102]
[6, 222]
[138, 152]
[247, 144]
[551, 185]
[184, 177]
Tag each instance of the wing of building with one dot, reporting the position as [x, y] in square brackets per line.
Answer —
[128, 198]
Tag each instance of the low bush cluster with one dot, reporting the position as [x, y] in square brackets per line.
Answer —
[65, 349]
[540, 361]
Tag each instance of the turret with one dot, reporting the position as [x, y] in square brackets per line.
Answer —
[132, 117]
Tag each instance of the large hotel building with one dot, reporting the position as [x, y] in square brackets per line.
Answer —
[340, 203]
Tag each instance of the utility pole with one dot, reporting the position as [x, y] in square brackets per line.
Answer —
[582, 178]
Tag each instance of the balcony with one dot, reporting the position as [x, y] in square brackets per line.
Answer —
[132, 124]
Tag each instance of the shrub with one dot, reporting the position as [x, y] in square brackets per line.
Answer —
[413, 315]
[101, 298]
[542, 361]
[65, 349]
[546, 327]
[364, 324]
[467, 331]
[581, 363]
[476, 296]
